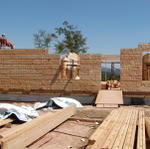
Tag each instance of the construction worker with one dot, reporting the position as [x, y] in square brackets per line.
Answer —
[3, 41]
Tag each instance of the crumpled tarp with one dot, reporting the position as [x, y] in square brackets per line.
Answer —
[23, 113]
[60, 102]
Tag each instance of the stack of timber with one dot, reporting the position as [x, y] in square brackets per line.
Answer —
[124, 128]
[109, 98]
[23, 135]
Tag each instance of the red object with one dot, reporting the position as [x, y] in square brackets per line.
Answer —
[3, 41]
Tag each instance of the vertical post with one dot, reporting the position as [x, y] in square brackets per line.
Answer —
[112, 70]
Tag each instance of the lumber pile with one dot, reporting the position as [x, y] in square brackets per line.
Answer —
[109, 98]
[118, 130]
[21, 136]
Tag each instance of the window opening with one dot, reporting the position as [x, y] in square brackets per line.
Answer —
[110, 74]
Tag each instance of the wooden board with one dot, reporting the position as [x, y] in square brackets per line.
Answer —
[107, 105]
[147, 123]
[109, 98]
[118, 130]
[110, 57]
[141, 144]
[114, 137]
[5, 121]
[25, 134]
[103, 131]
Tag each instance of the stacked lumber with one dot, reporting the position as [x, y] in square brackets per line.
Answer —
[118, 131]
[109, 98]
[21, 136]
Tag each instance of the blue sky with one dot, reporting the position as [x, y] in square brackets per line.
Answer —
[109, 25]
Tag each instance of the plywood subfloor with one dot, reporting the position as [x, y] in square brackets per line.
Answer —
[70, 134]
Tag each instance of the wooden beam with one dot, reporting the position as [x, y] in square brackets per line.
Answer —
[110, 57]
[98, 138]
[141, 143]
[147, 122]
[23, 135]
[5, 121]
[103, 62]
[131, 133]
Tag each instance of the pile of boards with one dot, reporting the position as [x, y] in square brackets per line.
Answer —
[23, 135]
[124, 128]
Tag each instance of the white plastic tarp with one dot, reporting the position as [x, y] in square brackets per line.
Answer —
[59, 101]
[23, 113]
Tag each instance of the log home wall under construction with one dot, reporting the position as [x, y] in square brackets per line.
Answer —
[37, 71]
[132, 69]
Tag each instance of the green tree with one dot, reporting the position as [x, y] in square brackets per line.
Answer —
[70, 39]
[42, 39]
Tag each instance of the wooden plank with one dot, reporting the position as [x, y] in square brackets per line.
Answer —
[4, 122]
[109, 97]
[25, 134]
[147, 123]
[110, 57]
[23, 51]
[107, 105]
[141, 144]
[124, 130]
[130, 137]
[102, 132]
[106, 62]
[115, 137]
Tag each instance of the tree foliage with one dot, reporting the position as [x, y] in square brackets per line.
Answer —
[42, 39]
[65, 39]
[70, 39]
